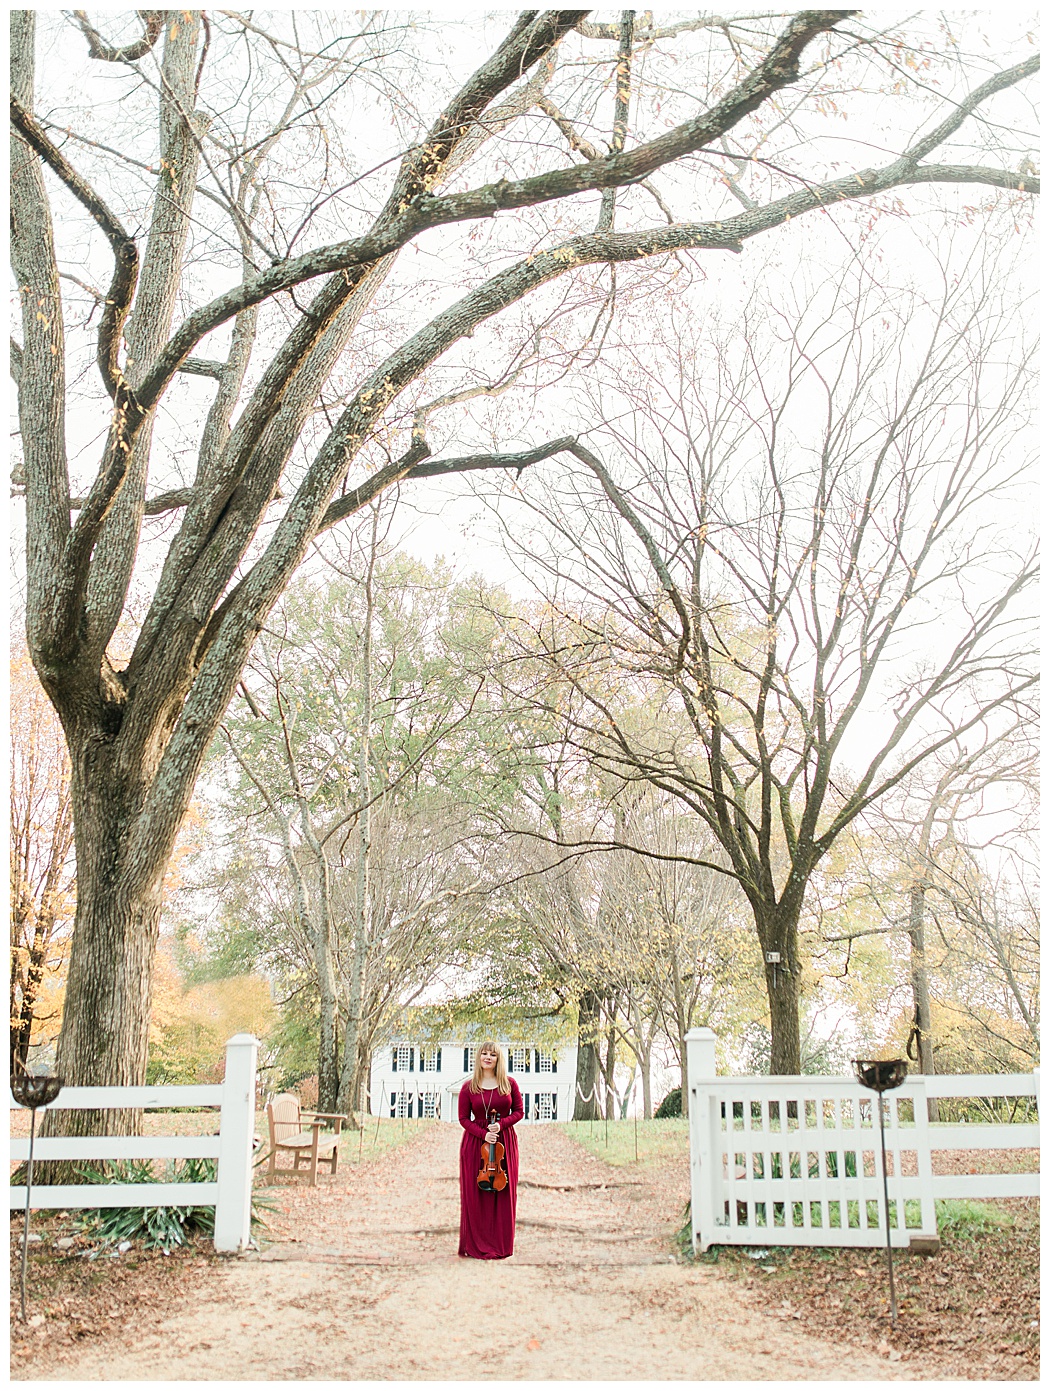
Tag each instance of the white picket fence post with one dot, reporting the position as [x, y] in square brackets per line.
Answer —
[233, 1203]
[796, 1161]
[704, 1134]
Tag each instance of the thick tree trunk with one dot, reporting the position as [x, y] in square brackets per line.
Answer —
[106, 1013]
[778, 934]
[920, 984]
[350, 1080]
[327, 1040]
[609, 1065]
[585, 1106]
[922, 1027]
[785, 1054]
[682, 1027]
[647, 1084]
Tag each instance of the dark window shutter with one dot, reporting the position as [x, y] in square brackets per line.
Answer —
[466, 1055]
[554, 1106]
[554, 1062]
[393, 1060]
[526, 1101]
[411, 1060]
[438, 1067]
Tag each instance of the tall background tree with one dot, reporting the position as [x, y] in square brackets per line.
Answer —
[265, 360]
[802, 543]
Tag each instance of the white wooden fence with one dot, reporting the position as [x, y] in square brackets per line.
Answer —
[231, 1193]
[796, 1161]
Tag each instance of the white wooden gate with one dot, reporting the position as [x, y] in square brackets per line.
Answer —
[231, 1193]
[796, 1161]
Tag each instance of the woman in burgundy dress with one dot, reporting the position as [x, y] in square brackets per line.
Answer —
[489, 1108]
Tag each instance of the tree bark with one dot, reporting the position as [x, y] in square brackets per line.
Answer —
[922, 1025]
[681, 1029]
[351, 1078]
[920, 983]
[319, 924]
[585, 1106]
[609, 1065]
[778, 933]
[105, 1030]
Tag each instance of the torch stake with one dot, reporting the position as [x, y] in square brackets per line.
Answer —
[31, 1092]
[886, 1203]
[25, 1224]
[883, 1075]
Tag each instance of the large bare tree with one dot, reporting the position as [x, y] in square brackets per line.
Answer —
[804, 545]
[250, 379]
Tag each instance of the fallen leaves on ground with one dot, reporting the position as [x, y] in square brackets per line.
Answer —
[71, 1298]
[972, 1310]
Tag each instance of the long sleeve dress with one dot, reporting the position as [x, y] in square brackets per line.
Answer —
[486, 1220]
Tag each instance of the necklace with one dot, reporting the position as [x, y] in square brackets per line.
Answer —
[485, 1101]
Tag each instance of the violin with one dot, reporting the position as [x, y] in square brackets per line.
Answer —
[492, 1176]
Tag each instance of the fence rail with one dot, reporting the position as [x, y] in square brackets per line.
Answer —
[140, 1098]
[796, 1161]
[231, 1191]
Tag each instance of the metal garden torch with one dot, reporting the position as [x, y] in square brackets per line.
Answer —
[31, 1092]
[883, 1075]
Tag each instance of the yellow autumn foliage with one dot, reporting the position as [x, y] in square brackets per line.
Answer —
[189, 1028]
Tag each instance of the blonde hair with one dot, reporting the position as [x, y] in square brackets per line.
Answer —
[502, 1081]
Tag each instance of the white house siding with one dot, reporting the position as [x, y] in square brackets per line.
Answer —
[412, 1079]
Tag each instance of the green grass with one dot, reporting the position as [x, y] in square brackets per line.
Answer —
[379, 1136]
[615, 1142]
[965, 1218]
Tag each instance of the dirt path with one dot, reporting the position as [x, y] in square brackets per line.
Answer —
[363, 1283]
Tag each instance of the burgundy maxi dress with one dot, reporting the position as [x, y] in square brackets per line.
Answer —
[486, 1220]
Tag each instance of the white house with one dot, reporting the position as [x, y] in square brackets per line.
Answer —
[410, 1078]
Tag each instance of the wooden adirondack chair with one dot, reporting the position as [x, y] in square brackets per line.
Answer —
[298, 1133]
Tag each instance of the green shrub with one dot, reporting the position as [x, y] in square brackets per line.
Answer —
[156, 1227]
[670, 1106]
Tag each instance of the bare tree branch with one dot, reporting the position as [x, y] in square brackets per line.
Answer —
[152, 23]
[125, 253]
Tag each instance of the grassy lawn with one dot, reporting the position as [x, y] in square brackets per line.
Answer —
[629, 1142]
[378, 1136]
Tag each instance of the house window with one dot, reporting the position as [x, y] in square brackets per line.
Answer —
[546, 1062]
[404, 1058]
[519, 1059]
[401, 1104]
[430, 1059]
[469, 1054]
[546, 1106]
[429, 1105]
